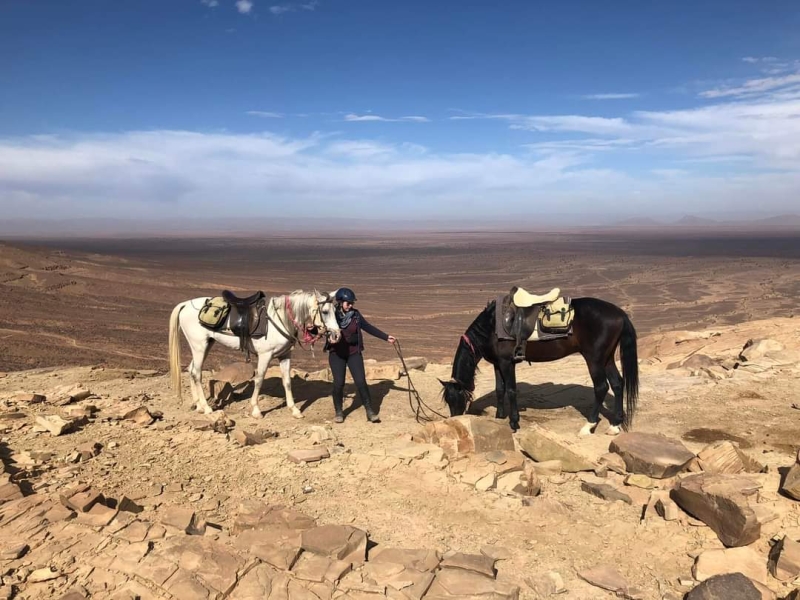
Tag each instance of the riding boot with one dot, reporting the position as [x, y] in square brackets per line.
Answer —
[338, 406]
[372, 416]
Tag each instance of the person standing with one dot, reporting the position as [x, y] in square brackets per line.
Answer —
[347, 353]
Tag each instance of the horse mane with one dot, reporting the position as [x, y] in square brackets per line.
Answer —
[465, 362]
[298, 300]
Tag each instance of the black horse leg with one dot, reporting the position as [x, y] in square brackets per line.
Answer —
[617, 385]
[500, 393]
[509, 374]
[598, 374]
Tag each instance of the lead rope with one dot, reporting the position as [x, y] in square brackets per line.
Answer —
[413, 395]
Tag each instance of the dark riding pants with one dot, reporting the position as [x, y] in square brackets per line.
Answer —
[339, 365]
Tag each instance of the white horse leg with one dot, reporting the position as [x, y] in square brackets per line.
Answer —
[613, 430]
[286, 376]
[196, 377]
[588, 429]
[261, 369]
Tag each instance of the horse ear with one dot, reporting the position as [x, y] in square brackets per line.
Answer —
[513, 290]
[444, 383]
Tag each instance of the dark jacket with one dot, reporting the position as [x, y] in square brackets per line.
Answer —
[352, 340]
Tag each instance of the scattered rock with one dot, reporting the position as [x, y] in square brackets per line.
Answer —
[487, 482]
[667, 509]
[376, 372]
[651, 454]
[67, 394]
[605, 491]
[641, 481]
[28, 398]
[99, 515]
[252, 438]
[733, 586]
[322, 435]
[310, 455]
[12, 550]
[720, 501]
[127, 505]
[467, 434]
[784, 560]
[548, 584]
[730, 560]
[613, 461]
[455, 583]
[41, 575]
[54, 424]
[82, 500]
[496, 552]
[610, 579]
[140, 415]
[726, 457]
[542, 445]
[89, 450]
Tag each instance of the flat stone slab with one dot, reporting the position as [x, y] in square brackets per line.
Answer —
[720, 501]
[730, 560]
[542, 445]
[310, 455]
[340, 542]
[651, 454]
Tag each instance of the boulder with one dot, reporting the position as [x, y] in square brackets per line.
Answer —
[760, 348]
[726, 457]
[542, 445]
[791, 483]
[466, 434]
[234, 373]
[733, 586]
[651, 454]
[784, 560]
[721, 502]
[730, 560]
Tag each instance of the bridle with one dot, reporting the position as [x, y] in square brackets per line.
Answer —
[316, 322]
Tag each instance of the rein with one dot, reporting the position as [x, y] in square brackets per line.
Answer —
[413, 394]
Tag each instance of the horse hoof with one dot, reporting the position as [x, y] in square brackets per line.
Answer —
[613, 430]
[297, 414]
[588, 429]
[256, 413]
[208, 410]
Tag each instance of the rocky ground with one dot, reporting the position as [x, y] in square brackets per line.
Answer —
[114, 489]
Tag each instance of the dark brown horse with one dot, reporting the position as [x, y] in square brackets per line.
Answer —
[598, 327]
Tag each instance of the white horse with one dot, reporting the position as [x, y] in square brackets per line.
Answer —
[291, 318]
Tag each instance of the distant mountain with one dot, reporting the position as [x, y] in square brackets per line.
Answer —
[693, 221]
[639, 222]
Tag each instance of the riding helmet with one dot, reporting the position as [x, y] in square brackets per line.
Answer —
[345, 295]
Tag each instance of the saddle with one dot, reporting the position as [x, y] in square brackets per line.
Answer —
[244, 317]
[523, 299]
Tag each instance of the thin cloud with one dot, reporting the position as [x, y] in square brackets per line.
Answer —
[355, 118]
[754, 87]
[618, 96]
[210, 3]
[265, 114]
[279, 9]
[244, 6]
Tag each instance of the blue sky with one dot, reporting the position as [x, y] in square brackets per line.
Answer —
[161, 108]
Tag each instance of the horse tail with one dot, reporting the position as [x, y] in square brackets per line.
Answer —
[175, 350]
[630, 369]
